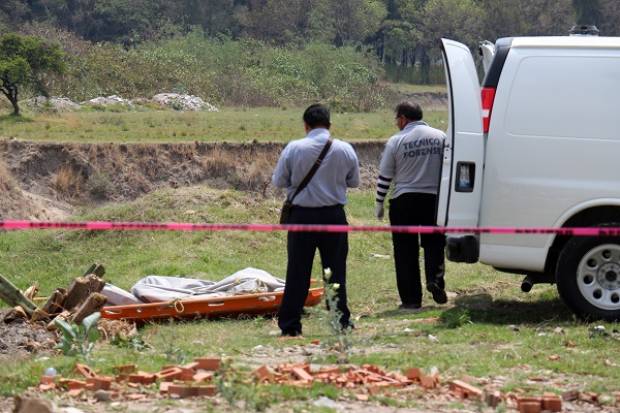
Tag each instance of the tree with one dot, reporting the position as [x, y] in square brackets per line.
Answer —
[24, 60]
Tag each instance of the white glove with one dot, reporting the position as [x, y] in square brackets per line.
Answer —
[379, 210]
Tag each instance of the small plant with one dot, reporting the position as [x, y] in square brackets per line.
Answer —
[78, 339]
[456, 318]
[334, 316]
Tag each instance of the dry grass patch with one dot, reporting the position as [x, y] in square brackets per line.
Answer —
[67, 181]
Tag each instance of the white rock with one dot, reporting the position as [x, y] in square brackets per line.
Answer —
[183, 102]
[325, 402]
[109, 100]
[57, 104]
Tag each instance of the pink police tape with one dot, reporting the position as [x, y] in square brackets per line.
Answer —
[20, 225]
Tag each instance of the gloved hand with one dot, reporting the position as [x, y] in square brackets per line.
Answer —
[379, 210]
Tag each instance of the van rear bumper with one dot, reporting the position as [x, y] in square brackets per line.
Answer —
[463, 248]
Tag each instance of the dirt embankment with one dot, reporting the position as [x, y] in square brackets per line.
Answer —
[47, 180]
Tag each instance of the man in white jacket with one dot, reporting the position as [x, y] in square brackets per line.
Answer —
[411, 164]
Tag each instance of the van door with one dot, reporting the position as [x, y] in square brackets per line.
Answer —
[461, 182]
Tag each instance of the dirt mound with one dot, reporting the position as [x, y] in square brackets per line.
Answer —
[48, 177]
[17, 203]
[22, 338]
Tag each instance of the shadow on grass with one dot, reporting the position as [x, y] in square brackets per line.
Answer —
[482, 308]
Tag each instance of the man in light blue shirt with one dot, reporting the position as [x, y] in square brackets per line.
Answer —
[320, 202]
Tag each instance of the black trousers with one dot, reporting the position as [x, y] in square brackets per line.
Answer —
[416, 209]
[333, 248]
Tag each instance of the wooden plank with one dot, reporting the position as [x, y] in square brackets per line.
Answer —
[14, 297]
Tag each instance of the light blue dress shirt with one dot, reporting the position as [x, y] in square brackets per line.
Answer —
[338, 171]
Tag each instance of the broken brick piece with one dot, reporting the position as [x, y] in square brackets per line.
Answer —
[465, 390]
[208, 363]
[125, 369]
[180, 390]
[142, 378]
[202, 376]
[75, 392]
[43, 387]
[99, 383]
[263, 373]
[191, 366]
[202, 391]
[552, 403]
[172, 373]
[530, 407]
[570, 395]
[164, 386]
[429, 382]
[72, 384]
[85, 370]
[302, 374]
[413, 374]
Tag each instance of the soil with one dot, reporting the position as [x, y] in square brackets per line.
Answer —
[50, 179]
[23, 338]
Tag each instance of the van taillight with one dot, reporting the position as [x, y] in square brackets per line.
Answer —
[488, 97]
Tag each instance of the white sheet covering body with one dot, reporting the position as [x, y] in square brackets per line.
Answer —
[156, 288]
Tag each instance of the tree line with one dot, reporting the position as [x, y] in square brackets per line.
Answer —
[399, 31]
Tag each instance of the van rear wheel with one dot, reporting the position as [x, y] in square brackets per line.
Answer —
[588, 277]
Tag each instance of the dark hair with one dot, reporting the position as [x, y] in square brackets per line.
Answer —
[410, 110]
[317, 116]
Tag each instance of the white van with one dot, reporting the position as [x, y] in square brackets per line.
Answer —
[539, 147]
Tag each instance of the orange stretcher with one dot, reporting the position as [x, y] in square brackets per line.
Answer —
[251, 304]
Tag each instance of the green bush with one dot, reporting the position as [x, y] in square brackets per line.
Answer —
[229, 72]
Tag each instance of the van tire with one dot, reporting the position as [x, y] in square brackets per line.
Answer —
[570, 288]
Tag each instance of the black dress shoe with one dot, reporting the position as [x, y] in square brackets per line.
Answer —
[439, 294]
[414, 308]
[291, 333]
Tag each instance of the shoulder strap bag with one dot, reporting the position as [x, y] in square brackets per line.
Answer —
[288, 204]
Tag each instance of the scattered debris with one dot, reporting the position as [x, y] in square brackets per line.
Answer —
[191, 380]
[183, 102]
[108, 101]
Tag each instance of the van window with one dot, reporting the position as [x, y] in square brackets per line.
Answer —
[565, 97]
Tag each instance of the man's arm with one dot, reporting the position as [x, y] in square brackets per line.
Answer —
[387, 169]
[282, 174]
[353, 177]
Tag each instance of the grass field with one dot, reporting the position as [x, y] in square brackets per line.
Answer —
[230, 124]
[490, 331]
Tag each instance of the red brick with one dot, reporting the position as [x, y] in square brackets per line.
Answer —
[429, 382]
[552, 403]
[85, 371]
[72, 384]
[172, 373]
[302, 374]
[47, 387]
[263, 373]
[413, 374]
[202, 391]
[465, 390]
[142, 378]
[100, 383]
[164, 386]
[191, 366]
[530, 407]
[180, 390]
[208, 363]
[202, 376]
[75, 392]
